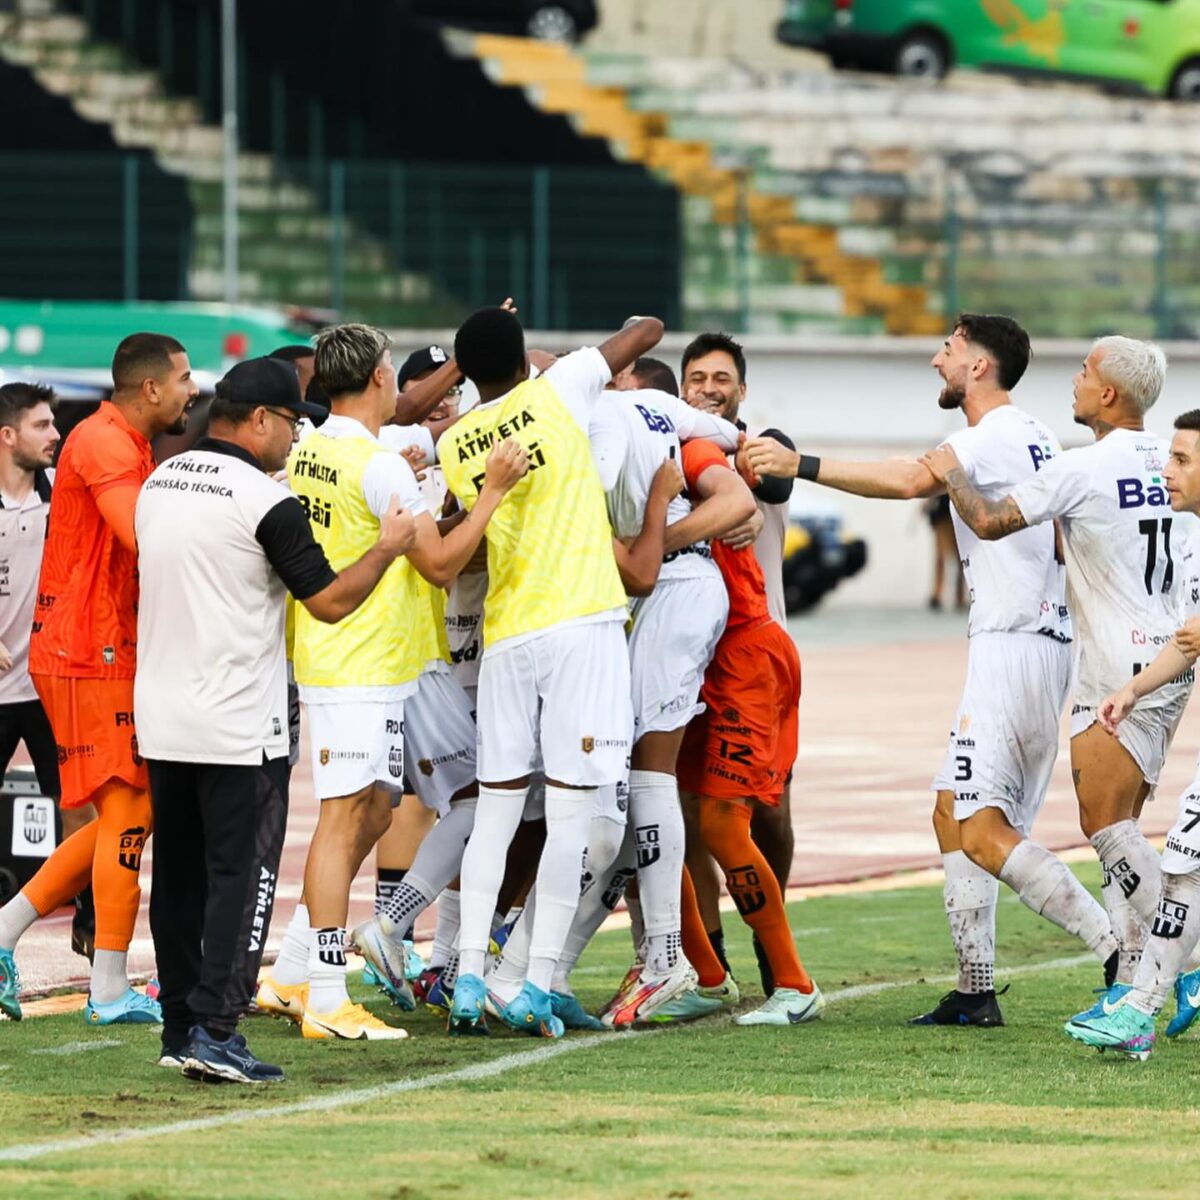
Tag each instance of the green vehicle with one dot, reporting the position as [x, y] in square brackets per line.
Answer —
[1150, 45]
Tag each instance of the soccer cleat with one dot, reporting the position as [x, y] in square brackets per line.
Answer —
[83, 925]
[282, 999]
[688, 1005]
[153, 987]
[440, 996]
[964, 1008]
[414, 964]
[466, 1016]
[649, 993]
[350, 1022]
[1112, 964]
[130, 1009]
[374, 940]
[572, 1014]
[727, 991]
[1126, 1029]
[1110, 1000]
[229, 1061]
[1187, 1003]
[10, 986]
[532, 1012]
[786, 1006]
[499, 939]
[624, 988]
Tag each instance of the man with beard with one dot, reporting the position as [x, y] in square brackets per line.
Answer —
[1005, 736]
[82, 657]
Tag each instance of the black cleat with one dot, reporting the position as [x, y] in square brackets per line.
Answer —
[961, 1008]
[1110, 968]
[765, 974]
[83, 925]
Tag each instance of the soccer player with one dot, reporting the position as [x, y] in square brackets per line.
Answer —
[1127, 1025]
[82, 658]
[1005, 737]
[1124, 592]
[554, 677]
[354, 679]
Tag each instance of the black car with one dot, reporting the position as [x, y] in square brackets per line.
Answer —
[549, 20]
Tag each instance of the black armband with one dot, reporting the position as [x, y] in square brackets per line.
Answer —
[810, 467]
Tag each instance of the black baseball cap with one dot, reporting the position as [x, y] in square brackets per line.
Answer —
[420, 361]
[267, 381]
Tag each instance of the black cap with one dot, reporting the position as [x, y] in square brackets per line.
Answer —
[420, 361]
[267, 381]
[314, 394]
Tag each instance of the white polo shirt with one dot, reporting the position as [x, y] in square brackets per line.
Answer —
[22, 539]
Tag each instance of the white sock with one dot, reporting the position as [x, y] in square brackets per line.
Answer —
[327, 970]
[508, 976]
[657, 821]
[637, 924]
[291, 967]
[568, 819]
[15, 917]
[1173, 937]
[445, 934]
[608, 845]
[1044, 883]
[438, 861]
[497, 816]
[970, 897]
[1122, 882]
[110, 979]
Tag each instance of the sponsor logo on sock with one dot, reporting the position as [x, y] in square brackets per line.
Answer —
[129, 847]
[1169, 920]
[746, 889]
[331, 947]
[648, 848]
[618, 881]
[1125, 877]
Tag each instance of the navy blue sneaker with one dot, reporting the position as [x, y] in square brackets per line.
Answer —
[231, 1061]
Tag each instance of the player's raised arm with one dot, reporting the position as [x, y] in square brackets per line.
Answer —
[988, 519]
[892, 479]
[725, 503]
[639, 336]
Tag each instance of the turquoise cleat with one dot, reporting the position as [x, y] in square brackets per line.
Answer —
[532, 1012]
[1187, 1003]
[10, 986]
[414, 964]
[1110, 1000]
[572, 1014]
[467, 1017]
[1127, 1030]
[131, 1009]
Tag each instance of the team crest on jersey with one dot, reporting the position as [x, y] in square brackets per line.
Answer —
[324, 756]
[425, 766]
[588, 744]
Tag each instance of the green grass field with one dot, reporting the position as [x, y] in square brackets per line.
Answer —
[857, 1104]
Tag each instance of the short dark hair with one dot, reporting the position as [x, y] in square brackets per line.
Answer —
[18, 398]
[489, 346]
[707, 343]
[1003, 339]
[654, 373]
[292, 354]
[1188, 421]
[143, 356]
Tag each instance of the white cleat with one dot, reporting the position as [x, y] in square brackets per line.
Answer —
[786, 1006]
[378, 942]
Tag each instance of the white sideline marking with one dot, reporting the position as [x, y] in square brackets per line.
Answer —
[77, 1047]
[488, 1070]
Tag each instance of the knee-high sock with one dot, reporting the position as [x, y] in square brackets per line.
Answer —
[1044, 883]
[568, 818]
[725, 827]
[291, 967]
[1131, 889]
[445, 934]
[697, 945]
[970, 898]
[438, 861]
[508, 976]
[608, 869]
[657, 822]
[123, 824]
[1173, 936]
[497, 815]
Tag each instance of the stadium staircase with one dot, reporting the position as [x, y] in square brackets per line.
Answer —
[840, 198]
[285, 236]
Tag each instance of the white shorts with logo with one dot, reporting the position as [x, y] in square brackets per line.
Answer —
[565, 692]
[1181, 854]
[1005, 738]
[611, 801]
[356, 744]
[675, 632]
[1147, 733]
[439, 740]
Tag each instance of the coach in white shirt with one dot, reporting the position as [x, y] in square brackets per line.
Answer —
[220, 544]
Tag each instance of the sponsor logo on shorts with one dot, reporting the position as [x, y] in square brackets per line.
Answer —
[133, 750]
[588, 745]
[1076, 709]
[123, 718]
[396, 761]
[129, 847]
[425, 766]
[66, 753]
[324, 757]
[731, 714]
[109, 654]
[328, 756]
[965, 743]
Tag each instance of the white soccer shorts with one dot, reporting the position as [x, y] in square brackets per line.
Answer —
[566, 692]
[356, 744]
[1005, 738]
[439, 739]
[1147, 733]
[675, 633]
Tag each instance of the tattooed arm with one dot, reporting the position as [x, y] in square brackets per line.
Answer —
[989, 519]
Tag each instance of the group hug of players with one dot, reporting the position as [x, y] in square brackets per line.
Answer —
[576, 647]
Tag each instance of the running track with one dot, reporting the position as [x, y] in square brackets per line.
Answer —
[880, 689]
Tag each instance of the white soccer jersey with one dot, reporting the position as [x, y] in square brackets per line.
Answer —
[1124, 548]
[632, 435]
[1016, 584]
[1191, 571]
